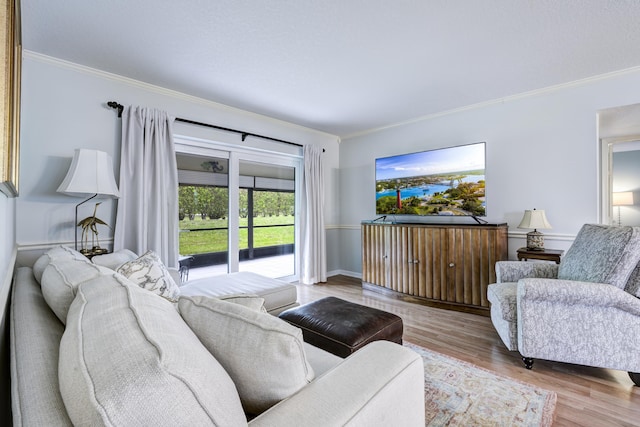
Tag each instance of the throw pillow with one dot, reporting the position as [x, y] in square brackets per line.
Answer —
[128, 359]
[602, 254]
[60, 281]
[263, 354]
[114, 259]
[149, 273]
[59, 252]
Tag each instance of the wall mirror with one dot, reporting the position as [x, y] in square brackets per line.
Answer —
[619, 131]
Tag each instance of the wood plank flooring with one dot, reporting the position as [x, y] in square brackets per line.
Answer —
[586, 396]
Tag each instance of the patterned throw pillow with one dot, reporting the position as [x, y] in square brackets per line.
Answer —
[602, 254]
[149, 273]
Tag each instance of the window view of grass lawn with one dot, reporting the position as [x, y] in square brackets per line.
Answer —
[195, 240]
[203, 220]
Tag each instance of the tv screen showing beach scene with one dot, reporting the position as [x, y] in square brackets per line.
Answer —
[447, 181]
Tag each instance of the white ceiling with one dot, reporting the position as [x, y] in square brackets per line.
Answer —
[341, 66]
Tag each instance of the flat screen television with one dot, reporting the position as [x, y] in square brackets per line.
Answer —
[441, 182]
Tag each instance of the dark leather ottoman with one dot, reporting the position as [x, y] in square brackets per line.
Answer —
[342, 327]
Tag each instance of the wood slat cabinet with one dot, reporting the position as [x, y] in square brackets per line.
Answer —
[444, 265]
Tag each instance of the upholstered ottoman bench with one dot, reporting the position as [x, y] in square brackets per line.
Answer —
[342, 327]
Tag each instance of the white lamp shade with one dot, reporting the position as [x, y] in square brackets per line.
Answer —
[622, 198]
[91, 172]
[534, 219]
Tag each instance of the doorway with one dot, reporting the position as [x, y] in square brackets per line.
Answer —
[239, 211]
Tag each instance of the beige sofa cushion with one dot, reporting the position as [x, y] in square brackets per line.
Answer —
[35, 341]
[148, 272]
[59, 252]
[253, 302]
[263, 354]
[61, 279]
[127, 358]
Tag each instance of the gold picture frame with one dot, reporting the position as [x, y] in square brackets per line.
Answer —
[10, 78]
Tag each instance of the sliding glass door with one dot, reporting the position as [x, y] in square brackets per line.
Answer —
[239, 211]
[203, 217]
[266, 210]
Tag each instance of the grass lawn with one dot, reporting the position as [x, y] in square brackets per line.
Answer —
[205, 241]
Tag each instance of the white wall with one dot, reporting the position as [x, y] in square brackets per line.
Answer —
[64, 108]
[542, 152]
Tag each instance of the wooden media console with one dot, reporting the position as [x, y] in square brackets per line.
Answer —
[442, 265]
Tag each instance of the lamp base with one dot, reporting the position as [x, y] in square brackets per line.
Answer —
[96, 250]
[535, 241]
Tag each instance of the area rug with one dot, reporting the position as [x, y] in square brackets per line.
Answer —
[458, 393]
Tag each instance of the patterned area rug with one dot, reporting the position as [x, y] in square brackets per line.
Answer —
[458, 393]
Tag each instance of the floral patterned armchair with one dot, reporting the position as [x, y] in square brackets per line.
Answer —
[584, 311]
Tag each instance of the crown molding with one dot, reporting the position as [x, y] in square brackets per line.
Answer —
[498, 101]
[166, 92]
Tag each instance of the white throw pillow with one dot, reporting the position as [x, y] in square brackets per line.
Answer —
[61, 279]
[263, 354]
[149, 273]
[128, 359]
[59, 252]
[114, 259]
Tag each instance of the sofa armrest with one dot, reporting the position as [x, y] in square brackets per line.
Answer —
[381, 384]
[574, 293]
[512, 271]
[583, 323]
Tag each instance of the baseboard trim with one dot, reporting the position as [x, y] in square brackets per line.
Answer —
[344, 273]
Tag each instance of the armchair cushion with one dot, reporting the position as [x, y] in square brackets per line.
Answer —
[570, 294]
[602, 254]
[504, 297]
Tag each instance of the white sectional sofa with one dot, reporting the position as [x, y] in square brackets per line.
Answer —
[278, 295]
[89, 346]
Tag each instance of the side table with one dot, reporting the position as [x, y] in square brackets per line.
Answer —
[545, 254]
[184, 261]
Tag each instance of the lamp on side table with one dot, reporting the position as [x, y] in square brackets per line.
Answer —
[535, 219]
[90, 175]
[622, 198]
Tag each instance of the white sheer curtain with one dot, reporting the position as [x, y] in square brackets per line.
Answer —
[148, 206]
[313, 245]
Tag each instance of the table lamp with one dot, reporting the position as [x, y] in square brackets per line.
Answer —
[535, 219]
[90, 175]
[622, 198]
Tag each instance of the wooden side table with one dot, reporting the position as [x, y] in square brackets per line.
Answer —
[546, 254]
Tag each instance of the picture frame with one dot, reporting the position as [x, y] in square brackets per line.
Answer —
[10, 81]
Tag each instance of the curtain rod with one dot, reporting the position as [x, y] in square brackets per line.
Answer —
[244, 134]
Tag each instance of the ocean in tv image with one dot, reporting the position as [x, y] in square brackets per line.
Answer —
[446, 181]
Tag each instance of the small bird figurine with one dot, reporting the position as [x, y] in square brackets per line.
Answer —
[90, 224]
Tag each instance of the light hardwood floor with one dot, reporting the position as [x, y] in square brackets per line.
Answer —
[586, 396]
